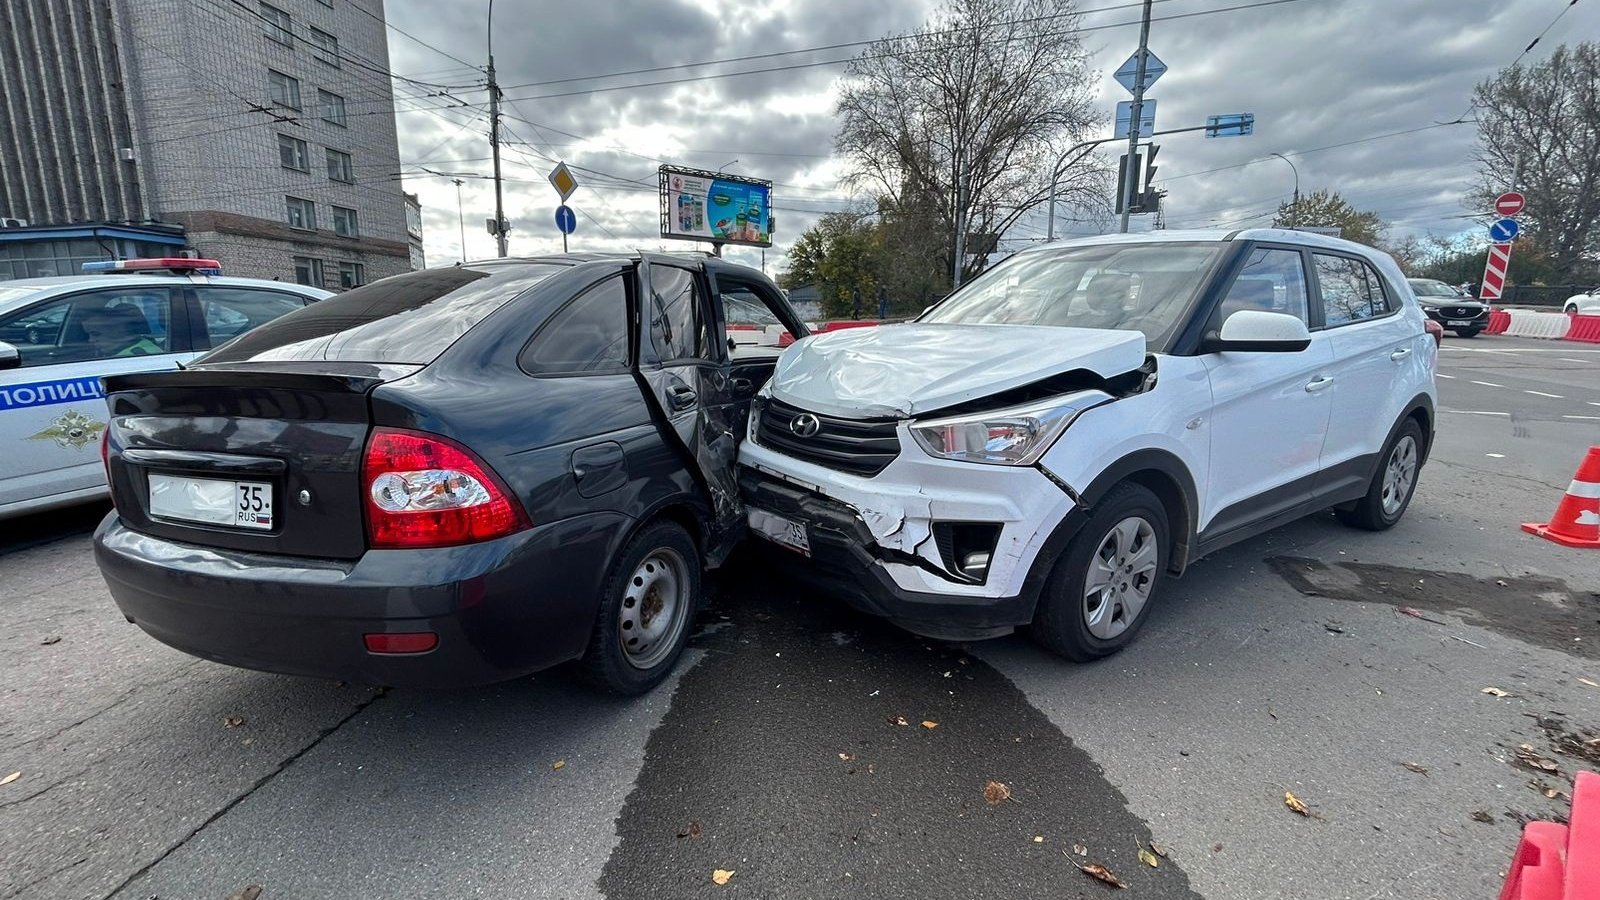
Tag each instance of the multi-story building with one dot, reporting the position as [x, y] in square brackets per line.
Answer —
[414, 231]
[265, 129]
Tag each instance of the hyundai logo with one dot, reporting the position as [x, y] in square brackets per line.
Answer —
[805, 425]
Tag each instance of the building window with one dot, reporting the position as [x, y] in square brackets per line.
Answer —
[352, 274]
[325, 47]
[285, 89]
[308, 270]
[293, 153]
[332, 107]
[340, 167]
[344, 222]
[279, 26]
[302, 214]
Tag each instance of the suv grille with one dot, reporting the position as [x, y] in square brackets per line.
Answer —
[857, 446]
[1461, 312]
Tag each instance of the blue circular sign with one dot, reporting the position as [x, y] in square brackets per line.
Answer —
[567, 220]
[1503, 230]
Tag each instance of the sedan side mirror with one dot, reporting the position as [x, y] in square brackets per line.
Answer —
[1259, 331]
[10, 356]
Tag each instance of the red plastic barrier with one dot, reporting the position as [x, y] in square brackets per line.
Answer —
[1560, 862]
[786, 338]
[1585, 329]
[1499, 321]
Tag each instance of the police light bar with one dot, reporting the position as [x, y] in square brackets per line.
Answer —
[170, 263]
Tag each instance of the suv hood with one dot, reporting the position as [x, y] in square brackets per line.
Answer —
[897, 371]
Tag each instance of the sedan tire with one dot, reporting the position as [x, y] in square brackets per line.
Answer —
[646, 606]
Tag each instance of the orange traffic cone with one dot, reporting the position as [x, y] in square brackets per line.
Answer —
[1577, 519]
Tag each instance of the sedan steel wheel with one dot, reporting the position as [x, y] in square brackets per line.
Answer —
[653, 608]
[1121, 576]
[1399, 475]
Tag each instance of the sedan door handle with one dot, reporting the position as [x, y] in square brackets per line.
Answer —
[1318, 383]
[1400, 354]
[681, 397]
[740, 384]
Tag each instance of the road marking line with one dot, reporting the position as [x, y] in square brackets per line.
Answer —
[1495, 455]
[1543, 394]
[1570, 359]
[1592, 403]
[1488, 384]
[1584, 418]
[1473, 412]
[1442, 375]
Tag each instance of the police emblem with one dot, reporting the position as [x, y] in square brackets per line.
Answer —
[73, 430]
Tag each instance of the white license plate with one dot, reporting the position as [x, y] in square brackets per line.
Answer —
[213, 501]
[1459, 323]
[783, 532]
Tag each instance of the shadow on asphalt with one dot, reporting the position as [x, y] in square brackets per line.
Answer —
[32, 530]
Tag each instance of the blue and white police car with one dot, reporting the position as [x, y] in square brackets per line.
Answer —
[60, 336]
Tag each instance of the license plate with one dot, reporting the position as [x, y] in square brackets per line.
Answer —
[783, 532]
[1459, 323]
[212, 501]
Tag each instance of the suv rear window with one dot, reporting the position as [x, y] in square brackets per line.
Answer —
[405, 319]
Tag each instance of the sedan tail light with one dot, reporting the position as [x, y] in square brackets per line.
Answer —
[423, 490]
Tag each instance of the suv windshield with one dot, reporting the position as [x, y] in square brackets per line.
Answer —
[1427, 287]
[1138, 287]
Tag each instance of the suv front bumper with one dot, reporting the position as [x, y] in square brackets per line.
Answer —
[1446, 316]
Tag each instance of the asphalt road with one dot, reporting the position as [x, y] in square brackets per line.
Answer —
[1283, 664]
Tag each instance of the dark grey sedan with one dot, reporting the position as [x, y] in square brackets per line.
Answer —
[450, 477]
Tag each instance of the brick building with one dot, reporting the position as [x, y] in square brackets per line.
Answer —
[265, 129]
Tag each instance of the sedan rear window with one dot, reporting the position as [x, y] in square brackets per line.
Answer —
[405, 319]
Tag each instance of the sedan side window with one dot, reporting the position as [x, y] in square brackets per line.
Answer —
[677, 315]
[1346, 292]
[97, 325]
[230, 312]
[1272, 280]
[589, 334]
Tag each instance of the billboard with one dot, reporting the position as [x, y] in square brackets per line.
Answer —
[711, 206]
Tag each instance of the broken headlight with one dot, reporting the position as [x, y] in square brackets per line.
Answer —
[1017, 436]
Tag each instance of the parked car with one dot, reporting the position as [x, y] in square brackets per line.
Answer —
[1585, 304]
[1049, 444]
[58, 336]
[454, 476]
[1461, 313]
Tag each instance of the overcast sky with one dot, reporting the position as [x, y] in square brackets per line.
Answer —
[1316, 73]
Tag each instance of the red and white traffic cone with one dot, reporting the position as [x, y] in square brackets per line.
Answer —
[1577, 519]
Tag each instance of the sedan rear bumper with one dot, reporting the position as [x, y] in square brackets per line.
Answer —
[500, 609]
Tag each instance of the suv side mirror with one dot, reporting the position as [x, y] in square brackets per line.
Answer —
[1259, 331]
[10, 357]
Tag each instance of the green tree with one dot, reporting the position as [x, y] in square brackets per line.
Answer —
[841, 255]
[1326, 209]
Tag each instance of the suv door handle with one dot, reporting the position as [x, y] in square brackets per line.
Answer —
[740, 384]
[1400, 354]
[1318, 383]
[681, 397]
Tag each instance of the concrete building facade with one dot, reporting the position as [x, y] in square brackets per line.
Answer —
[265, 129]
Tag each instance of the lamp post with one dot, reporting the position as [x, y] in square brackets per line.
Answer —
[1296, 176]
[461, 219]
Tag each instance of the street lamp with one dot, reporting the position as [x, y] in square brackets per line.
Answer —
[1296, 176]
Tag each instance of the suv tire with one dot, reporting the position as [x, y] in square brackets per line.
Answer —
[1467, 332]
[647, 603]
[1393, 485]
[1117, 559]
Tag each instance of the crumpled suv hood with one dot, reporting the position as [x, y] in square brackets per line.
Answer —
[897, 371]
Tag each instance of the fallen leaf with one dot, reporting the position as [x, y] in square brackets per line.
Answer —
[1589, 683]
[1553, 794]
[1296, 804]
[1216, 848]
[249, 893]
[692, 832]
[1332, 628]
[1080, 849]
[721, 876]
[996, 793]
[1038, 839]
[1483, 816]
[1531, 758]
[929, 724]
[1158, 850]
[52, 639]
[1148, 858]
[1097, 871]
[1495, 692]
[898, 720]
[558, 764]
[10, 778]
[1413, 767]
[233, 721]
[847, 756]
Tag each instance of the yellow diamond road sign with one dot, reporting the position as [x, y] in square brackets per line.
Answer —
[564, 181]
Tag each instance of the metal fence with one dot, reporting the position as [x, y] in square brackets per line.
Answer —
[1541, 295]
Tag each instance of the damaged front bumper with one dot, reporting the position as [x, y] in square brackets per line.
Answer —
[885, 542]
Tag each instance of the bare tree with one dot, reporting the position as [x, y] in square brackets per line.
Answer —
[1543, 120]
[965, 118]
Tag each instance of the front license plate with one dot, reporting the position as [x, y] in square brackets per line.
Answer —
[783, 532]
[1459, 323]
[212, 501]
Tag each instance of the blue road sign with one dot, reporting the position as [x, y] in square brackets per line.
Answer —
[1153, 69]
[1147, 118]
[1503, 230]
[566, 219]
[1230, 125]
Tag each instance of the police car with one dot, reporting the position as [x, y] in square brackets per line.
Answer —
[60, 336]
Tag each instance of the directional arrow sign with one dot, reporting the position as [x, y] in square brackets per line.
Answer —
[1503, 231]
[566, 219]
[1153, 69]
[1147, 118]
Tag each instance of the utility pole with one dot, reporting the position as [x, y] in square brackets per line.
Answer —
[494, 138]
[958, 244]
[461, 218]
[1131, 181]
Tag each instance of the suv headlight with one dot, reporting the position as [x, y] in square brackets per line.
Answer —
[1016, 436]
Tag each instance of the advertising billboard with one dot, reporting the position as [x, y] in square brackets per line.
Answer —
[711, 206]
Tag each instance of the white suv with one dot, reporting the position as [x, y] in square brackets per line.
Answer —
[1046, 445]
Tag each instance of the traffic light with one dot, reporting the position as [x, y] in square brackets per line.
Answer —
[1145, 197]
